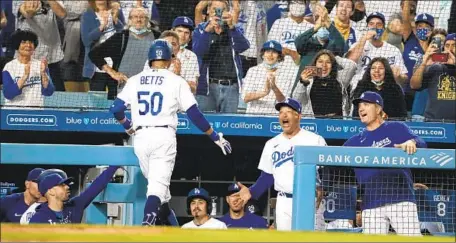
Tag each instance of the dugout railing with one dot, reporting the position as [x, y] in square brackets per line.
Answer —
[436, 203]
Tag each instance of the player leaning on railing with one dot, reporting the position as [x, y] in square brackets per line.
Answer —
[155, 96]
[388, 197]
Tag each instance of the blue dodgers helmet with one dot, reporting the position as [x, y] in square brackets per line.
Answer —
[272, 45]
[160, 50]
[199, 193]
[52, 171]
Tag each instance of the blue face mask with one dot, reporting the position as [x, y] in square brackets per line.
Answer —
[379, 33]
[322, 34]
[422, 33]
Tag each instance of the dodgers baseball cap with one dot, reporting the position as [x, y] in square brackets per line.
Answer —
[272, 45]
[451, 36]
[51, 181]
[425, 18]
[376, 15]
[370, 97]
[233, 188]
[290, 102]
[183, 21]
[34, 174]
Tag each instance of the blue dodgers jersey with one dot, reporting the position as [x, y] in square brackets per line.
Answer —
[12, 207]
[382, 186]
[340, 202]
[412, 53]
[436, 205]
[73, 209]
[250, 221]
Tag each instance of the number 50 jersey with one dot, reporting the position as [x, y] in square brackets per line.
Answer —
[155, 96]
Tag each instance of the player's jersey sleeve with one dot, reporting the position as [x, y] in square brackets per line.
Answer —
[406, 134]
[266, 158]
[127, 93]
[185, 97]
[321, 141]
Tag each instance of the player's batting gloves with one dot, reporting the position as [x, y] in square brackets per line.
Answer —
[221, 142]
[128, 125]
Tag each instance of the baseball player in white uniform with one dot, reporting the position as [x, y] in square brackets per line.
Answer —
[155, 97]
[277, 166]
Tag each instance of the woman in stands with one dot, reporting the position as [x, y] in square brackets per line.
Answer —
[379, 78]
[102, 20]
[268, 82]
[324, 84]
[127, 49]
[25, 79]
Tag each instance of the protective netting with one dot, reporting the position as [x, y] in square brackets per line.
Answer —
[386, 203]
[237, 56]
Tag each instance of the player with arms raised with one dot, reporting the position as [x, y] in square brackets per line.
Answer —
[388, 193]
[155, 97]
[277, 166]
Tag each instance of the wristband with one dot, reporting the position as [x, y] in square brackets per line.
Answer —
[214, 136]
[127, 124]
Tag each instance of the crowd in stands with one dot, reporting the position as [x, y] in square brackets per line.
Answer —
[240, 54]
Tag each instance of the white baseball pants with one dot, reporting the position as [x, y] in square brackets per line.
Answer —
[402, 216]
[156, 150]
[284, 208]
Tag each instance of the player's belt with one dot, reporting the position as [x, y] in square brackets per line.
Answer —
[222, 81]
[141, 127]
[284, 194]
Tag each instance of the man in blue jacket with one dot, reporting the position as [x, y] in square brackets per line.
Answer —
[217, 44]
[60, 210]
[238, 217]
[13, 206]
[388, 196]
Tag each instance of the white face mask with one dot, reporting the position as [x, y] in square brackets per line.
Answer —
[377, 83]
[297, 9]
[140, 31]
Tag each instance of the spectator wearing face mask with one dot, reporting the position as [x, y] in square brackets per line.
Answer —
[394, 27]
[323, 35]
[286, 30]
[416, 42]
[438, 77]
[126, 49]
[266, 83]
[421, 96]
[379, 78]
[371, 46]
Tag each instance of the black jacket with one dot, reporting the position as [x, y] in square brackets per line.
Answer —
[326, 97]
[392, 94]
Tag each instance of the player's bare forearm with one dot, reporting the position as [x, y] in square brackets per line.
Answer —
[402, 79]
[254, 96]
[417, 79]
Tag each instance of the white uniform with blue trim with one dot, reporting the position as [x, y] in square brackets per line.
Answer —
[277, 159]
[31, 91]
[155, 97]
